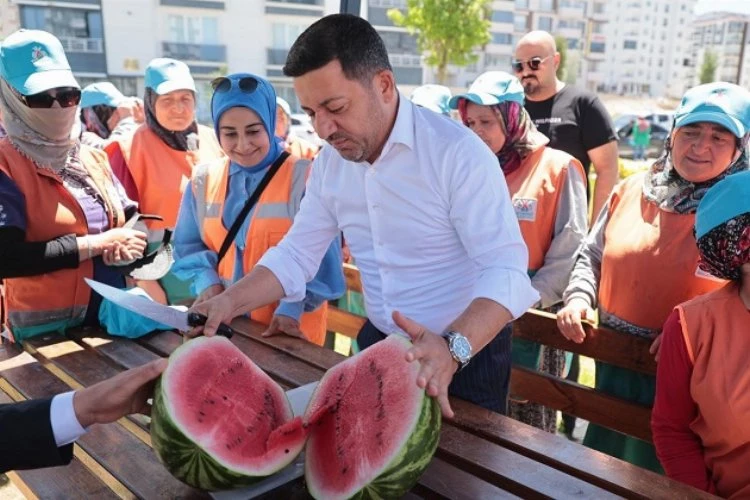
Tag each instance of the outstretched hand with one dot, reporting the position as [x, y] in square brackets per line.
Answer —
[281, 324]
[437, 366]
[121, 395]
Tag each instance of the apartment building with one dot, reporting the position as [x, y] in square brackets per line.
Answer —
[648, 47]
[727, 35]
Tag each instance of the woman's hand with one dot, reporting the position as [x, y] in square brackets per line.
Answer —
[569, 319]
[122, 245]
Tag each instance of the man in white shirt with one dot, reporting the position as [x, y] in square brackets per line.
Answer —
[40, 432]
[425, 211]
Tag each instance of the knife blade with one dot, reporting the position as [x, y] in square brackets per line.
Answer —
[181, 320]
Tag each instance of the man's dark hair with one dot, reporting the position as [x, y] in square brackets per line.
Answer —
[350, 39]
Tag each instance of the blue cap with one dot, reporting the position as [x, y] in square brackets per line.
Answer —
[101, 93]
[434, 97]
[284, 105]
[33, 61]
[492, 87]
[723, 103]
[727, 199]
[164, 75]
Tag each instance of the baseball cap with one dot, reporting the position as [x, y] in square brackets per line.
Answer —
[164, 75]
[727, 199]
[723, 103]
[101, 93]
[33, 61]
[284, 105]
[434, 97]
[492, 87]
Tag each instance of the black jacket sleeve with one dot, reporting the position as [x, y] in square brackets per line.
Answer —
[20, 258]
[26, 437]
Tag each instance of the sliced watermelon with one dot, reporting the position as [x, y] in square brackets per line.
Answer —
[372, 430]
[218, 421]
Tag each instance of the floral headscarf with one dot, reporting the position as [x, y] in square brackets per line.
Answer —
[726, 248]
[521, 135]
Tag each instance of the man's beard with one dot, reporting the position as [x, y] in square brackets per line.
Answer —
[531, 86]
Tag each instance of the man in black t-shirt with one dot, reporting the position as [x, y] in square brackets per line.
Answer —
[574, 119]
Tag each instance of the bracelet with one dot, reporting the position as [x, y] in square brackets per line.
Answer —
[89, 253]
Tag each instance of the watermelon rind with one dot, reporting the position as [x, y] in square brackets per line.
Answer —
[185, 459]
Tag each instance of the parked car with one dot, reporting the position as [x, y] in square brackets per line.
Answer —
[302, 127]
[655, 147]
[663, 118]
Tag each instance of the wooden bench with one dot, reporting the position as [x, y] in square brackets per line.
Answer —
[602, 344]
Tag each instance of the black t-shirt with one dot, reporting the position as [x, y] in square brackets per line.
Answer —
[575, 120]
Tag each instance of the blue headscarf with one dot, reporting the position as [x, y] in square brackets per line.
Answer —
[262, 101]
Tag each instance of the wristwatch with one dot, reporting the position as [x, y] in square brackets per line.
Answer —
[459, 347]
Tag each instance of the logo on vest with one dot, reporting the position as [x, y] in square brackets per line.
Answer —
[525, 208]
[700, 273]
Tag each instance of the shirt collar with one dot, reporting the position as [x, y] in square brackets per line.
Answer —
[236, 168]
[403, 129]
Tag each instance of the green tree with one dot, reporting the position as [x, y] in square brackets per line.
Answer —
[447, 31]
[561, 44]
[708, 67]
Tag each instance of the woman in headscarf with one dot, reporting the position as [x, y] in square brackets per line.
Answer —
[62, 211]
[156, 163]
[548, 189]
[640, 259]
[295, 146]
[243, 108]
[701, 416]
[107, 115]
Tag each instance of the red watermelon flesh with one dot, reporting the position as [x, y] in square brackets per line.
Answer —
[360, 418]
[231, 409]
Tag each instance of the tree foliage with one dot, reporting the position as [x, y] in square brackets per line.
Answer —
[561, 44]
[447, 31]
[708, 67]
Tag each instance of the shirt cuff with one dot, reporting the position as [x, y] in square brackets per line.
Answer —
[291, 309]
[205, 279]
[65, 425]
[511, 290]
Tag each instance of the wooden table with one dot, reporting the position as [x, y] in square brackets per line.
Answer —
[481, 454]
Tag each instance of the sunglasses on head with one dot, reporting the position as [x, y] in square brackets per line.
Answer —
[246, 84]
[533, 63]
[66, 96]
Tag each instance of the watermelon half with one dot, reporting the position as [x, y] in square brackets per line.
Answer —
[218, 421]
[372, 431]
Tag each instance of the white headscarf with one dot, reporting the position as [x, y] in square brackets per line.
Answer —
[45, 135]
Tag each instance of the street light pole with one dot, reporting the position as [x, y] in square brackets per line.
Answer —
[350, 7]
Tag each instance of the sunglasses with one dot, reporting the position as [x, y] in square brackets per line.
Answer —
[246, 84]
[533, 64]
[67, 97]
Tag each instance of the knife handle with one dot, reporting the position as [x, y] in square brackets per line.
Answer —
[198, 319]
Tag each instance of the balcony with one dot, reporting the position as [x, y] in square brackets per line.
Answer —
[82, 45]
[85, 55]
[276, 57]
[197, 4]
[195, 51]
[295, 7]
[405, 60]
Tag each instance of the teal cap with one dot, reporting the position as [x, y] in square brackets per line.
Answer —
[164, 75]
[723, 103]
[101, 93]
[492, 87]
[727, 199]
[433, 97]
[33, 61]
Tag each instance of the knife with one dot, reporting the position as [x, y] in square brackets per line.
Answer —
[181, 320]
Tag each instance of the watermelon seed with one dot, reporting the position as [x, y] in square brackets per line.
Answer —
[225, 398]
[286, 451]
[344, 470]
[249, 429]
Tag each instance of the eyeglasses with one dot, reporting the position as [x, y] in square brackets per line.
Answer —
[246, 84]
[66, 96]
[532, 63]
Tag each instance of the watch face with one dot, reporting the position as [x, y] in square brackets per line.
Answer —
[461, 348]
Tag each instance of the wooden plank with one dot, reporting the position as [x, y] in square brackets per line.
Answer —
[68, 481]
[344, 322]
[575, 399]
[612, 474]
[353, 281]
[509, 470]
[458, 484]
[138, 470]
[603, 344]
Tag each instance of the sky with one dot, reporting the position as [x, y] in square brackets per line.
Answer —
[742, 6]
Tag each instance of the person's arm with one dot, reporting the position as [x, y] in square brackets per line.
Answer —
[679, 449]
[604, 160]
[120, 169]
[194, 261]
[571, 225]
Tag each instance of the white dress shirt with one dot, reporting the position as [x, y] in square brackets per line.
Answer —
[65, 425]
[430, 225]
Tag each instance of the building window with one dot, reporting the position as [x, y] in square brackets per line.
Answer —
[522, 4]
[502, 16]
[545, 23]
[597, 47]
[502, 38]
[599, 8]
[284, 35]
[192, 29]
[546, 5]
[573, 43]
[520, 22]
[630, 44]
[64, 23]
[497, 61]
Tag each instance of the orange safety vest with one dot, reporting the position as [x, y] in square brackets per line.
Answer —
[56, 300]
[161, 173]
[716, 328]
[535, 188]
[301, 148]
[272, 217]
[650, 260]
